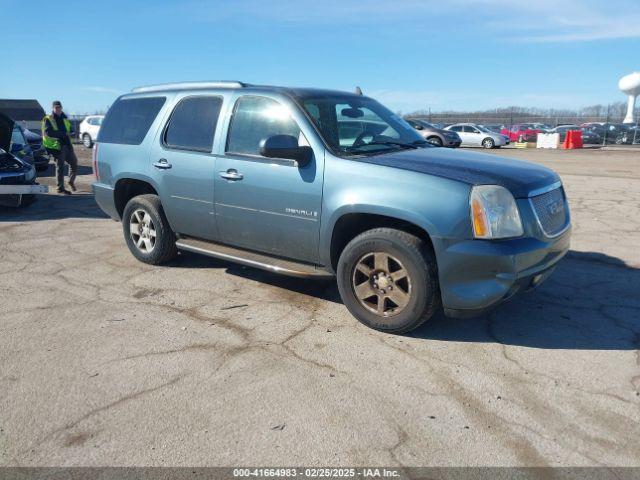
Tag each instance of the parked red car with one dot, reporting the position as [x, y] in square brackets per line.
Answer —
[524, 132]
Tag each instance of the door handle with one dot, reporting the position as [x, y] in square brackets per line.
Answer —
[231, 174]
[162, 164]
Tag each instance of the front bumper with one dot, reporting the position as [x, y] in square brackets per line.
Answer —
[477, 275]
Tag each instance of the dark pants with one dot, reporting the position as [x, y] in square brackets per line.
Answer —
[65, 154]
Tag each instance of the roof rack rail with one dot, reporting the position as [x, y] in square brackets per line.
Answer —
[189, 85]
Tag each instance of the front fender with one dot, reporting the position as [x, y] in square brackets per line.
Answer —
[438, 205]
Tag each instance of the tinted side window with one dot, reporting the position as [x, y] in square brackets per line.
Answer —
[456, 129]
[128, 120]
[193, 124]
[256, 118]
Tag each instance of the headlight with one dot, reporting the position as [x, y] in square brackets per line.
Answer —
[494, 213]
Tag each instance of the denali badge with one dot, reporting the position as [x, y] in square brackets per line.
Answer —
[299, 212]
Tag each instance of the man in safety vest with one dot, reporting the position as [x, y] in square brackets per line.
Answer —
[56, 138]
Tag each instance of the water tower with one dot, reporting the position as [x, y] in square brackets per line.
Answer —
[630, 85]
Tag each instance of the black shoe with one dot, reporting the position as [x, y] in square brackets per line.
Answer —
[72, 186]
[64, 192]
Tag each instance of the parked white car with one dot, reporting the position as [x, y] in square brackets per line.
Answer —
[89, 128]
[473, 135]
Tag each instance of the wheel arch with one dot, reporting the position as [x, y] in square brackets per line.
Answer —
[351, 224]
[128, 187]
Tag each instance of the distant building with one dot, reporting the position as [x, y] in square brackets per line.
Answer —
[27, 113]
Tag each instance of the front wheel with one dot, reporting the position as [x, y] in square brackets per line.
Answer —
[387, 279]
[87, 141]
[488, 143]
[147, 231]
[435, 141]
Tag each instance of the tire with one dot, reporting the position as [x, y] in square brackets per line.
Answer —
[27, 200]
[87, 141]
[418, 289]
[435, 141]
[146, 212]
[488, 143]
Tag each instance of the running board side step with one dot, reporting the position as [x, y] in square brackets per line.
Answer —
[251, 259]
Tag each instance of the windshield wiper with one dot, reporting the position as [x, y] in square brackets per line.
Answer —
[388, 143]
[391, 142]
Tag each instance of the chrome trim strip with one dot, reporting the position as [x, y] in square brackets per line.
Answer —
[266, 211]
[548, 188]
[191, 199]
[253, 263]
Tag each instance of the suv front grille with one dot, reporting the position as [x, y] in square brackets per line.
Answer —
[552, 211]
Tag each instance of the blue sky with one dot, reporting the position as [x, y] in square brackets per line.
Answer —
[409, 54]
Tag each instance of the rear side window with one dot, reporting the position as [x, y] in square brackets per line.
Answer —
[193, 124]
[256, 118]
[128, 120]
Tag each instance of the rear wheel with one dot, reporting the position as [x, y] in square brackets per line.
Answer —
[87, 141]
[388, 280]
[488, 143]
[147, 231]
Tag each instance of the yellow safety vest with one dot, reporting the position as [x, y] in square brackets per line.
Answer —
[50, 142]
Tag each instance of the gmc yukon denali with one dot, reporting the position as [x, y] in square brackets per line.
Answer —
[319, 183]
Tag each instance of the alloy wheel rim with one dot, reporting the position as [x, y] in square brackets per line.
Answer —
[142, 231]
[381, 284]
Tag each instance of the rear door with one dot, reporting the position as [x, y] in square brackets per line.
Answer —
[184, 166]
[459, 129]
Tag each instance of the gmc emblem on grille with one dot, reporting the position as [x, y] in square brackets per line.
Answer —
[556, 207]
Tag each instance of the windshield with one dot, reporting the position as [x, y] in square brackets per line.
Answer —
[16, 136]
[359, 125]
[484, 129]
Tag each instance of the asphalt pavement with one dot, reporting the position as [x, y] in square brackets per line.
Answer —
[108, 361]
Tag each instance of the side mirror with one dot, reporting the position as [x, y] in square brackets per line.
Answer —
[419, 127]
[286, 146]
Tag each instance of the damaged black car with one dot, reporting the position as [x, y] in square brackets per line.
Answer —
[18, 186]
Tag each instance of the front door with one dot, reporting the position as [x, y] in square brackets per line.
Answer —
[266, 204]
[184, 166]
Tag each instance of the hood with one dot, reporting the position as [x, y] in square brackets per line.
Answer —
[6, 129]
[446, 132]
[517, 176]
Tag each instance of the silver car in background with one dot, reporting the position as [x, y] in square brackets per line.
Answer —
[434, 135]
[473, 135]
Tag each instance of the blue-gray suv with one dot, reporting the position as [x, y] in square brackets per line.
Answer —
[317, 183]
